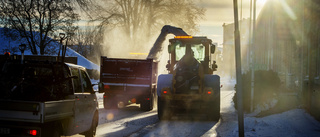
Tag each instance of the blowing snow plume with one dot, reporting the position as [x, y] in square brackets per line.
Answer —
[157, 48]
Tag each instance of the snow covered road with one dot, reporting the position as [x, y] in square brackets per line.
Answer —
[131, 122]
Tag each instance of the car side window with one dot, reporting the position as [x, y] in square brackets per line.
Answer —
[76, 81]
[86, 82]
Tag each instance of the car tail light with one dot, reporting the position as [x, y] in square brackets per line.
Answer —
[209, 92]
[165, 92]
[33, 132]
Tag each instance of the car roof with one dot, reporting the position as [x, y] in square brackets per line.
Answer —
[70, 65]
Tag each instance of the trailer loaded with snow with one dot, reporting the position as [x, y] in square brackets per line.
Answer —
[128, 81]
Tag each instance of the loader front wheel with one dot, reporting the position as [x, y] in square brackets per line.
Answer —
[214, 111]
[164, 112]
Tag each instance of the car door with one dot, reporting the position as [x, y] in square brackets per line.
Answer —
[90, 99]
[79, 102]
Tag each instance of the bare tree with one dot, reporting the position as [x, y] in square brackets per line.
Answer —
[36, 20]
[87, 41]
[83, 40]
[140, 19]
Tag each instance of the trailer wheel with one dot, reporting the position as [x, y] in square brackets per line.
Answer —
[110, 103]
[147, 105]
[92, 131]
[164, 113]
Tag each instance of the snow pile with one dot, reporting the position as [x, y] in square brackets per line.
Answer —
[264, 107]
[293, 123]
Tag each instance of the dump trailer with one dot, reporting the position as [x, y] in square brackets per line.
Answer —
[190, 86]
[46, 99]
[128, 81]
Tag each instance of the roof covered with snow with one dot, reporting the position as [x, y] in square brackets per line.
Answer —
[11, 44]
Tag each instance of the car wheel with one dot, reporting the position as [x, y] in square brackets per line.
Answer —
[56, 133]
[92, 131]
[51, 130]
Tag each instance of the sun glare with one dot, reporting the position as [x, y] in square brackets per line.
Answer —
[261, 2]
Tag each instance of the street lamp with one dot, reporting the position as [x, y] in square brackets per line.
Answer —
[22, 47]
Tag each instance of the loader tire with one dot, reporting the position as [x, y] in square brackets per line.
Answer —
[214, 111]
[164, 112]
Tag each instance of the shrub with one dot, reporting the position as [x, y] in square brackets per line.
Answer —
[266, 86]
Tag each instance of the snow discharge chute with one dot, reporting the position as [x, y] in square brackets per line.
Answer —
[157, 48]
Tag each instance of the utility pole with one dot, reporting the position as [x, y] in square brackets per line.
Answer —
[252, 54]
[238, 69]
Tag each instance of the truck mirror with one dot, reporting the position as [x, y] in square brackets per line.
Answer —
[101, 87]
[213, 48]
[73, 77]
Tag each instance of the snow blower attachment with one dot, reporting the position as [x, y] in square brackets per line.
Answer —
[190, 86]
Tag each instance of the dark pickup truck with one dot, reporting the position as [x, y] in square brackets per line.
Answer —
[128, 81]
[46, 99]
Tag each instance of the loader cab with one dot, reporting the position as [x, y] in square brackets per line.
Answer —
[191, 51]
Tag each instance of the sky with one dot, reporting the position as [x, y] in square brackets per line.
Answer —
[219, 12]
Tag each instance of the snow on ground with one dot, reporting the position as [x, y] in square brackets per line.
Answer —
[293, 123]
[131, 121]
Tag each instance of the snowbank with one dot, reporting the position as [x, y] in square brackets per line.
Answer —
[293, 123]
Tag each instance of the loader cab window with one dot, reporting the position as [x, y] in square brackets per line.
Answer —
[197, 49]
